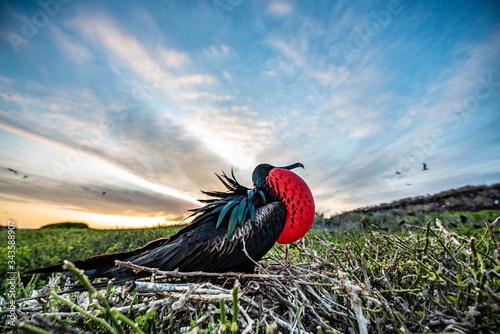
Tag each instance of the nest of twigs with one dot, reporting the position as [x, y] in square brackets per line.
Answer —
[429, 281]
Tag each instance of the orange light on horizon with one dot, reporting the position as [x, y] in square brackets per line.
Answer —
[34, 215]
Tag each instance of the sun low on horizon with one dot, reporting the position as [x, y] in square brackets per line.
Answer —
[48, 215]
[120, 114]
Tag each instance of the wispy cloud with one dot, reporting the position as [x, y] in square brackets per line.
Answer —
[146, 101]
[217, 50]
[174, 58]
[279, 8]
[73, 51]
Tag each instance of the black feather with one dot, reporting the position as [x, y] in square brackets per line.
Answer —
[212, 242]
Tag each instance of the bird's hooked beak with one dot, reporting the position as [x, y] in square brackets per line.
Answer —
[261, 172]
[292, 166]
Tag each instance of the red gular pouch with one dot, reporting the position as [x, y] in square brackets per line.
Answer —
[298, 200]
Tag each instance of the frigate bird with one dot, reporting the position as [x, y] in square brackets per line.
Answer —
[232, 231]
[12, 170]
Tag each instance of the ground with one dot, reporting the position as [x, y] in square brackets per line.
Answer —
[429, 276]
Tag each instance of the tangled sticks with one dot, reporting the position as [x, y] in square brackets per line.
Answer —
[428, 280]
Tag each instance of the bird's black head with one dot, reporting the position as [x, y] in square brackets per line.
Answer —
[262, 171]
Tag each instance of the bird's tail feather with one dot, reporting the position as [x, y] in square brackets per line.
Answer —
[104, 265]
[92, 266]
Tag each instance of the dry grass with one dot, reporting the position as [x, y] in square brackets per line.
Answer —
[427, 280]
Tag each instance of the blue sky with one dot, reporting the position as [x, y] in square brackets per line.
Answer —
[146, 100]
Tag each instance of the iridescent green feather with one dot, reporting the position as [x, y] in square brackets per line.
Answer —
[237, 206]
[225, 210]
[236, 217]
[241, 208]
[252, 213]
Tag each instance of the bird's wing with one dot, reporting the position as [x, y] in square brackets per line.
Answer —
[208, 249]
[96, 263]
[213, 241]
[199, 248]
[232, 209]
[13, 171]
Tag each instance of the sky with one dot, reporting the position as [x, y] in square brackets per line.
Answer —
[117, 113]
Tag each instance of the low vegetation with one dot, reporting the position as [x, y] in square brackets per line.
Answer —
[378, 275]
[65, 225]
[44, 247]
[468, 198]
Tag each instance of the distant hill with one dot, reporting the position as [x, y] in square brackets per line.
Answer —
[66, 225]
[458, 205]
[468, 198]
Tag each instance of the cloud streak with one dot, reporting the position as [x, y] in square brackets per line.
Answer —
[147, 101]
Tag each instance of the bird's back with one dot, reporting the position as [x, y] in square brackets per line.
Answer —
[197, 247]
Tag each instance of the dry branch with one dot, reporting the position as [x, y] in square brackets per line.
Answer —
[193, 274]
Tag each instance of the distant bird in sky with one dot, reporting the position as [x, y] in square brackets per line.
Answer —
[232, 231]
[399, 173]
[12, 170]
[16, 172]
[103, 193]
[424, 166]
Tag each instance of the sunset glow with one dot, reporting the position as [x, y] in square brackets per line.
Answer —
[119, 114]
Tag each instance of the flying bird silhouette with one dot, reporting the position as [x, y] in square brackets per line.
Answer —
[399, 173]
[12, 170]
[424, 166]
[103, 193]
[25, 176]
[232, 231]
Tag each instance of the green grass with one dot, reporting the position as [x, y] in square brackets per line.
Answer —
[397, 220]
[44, 247]
[422, 279]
